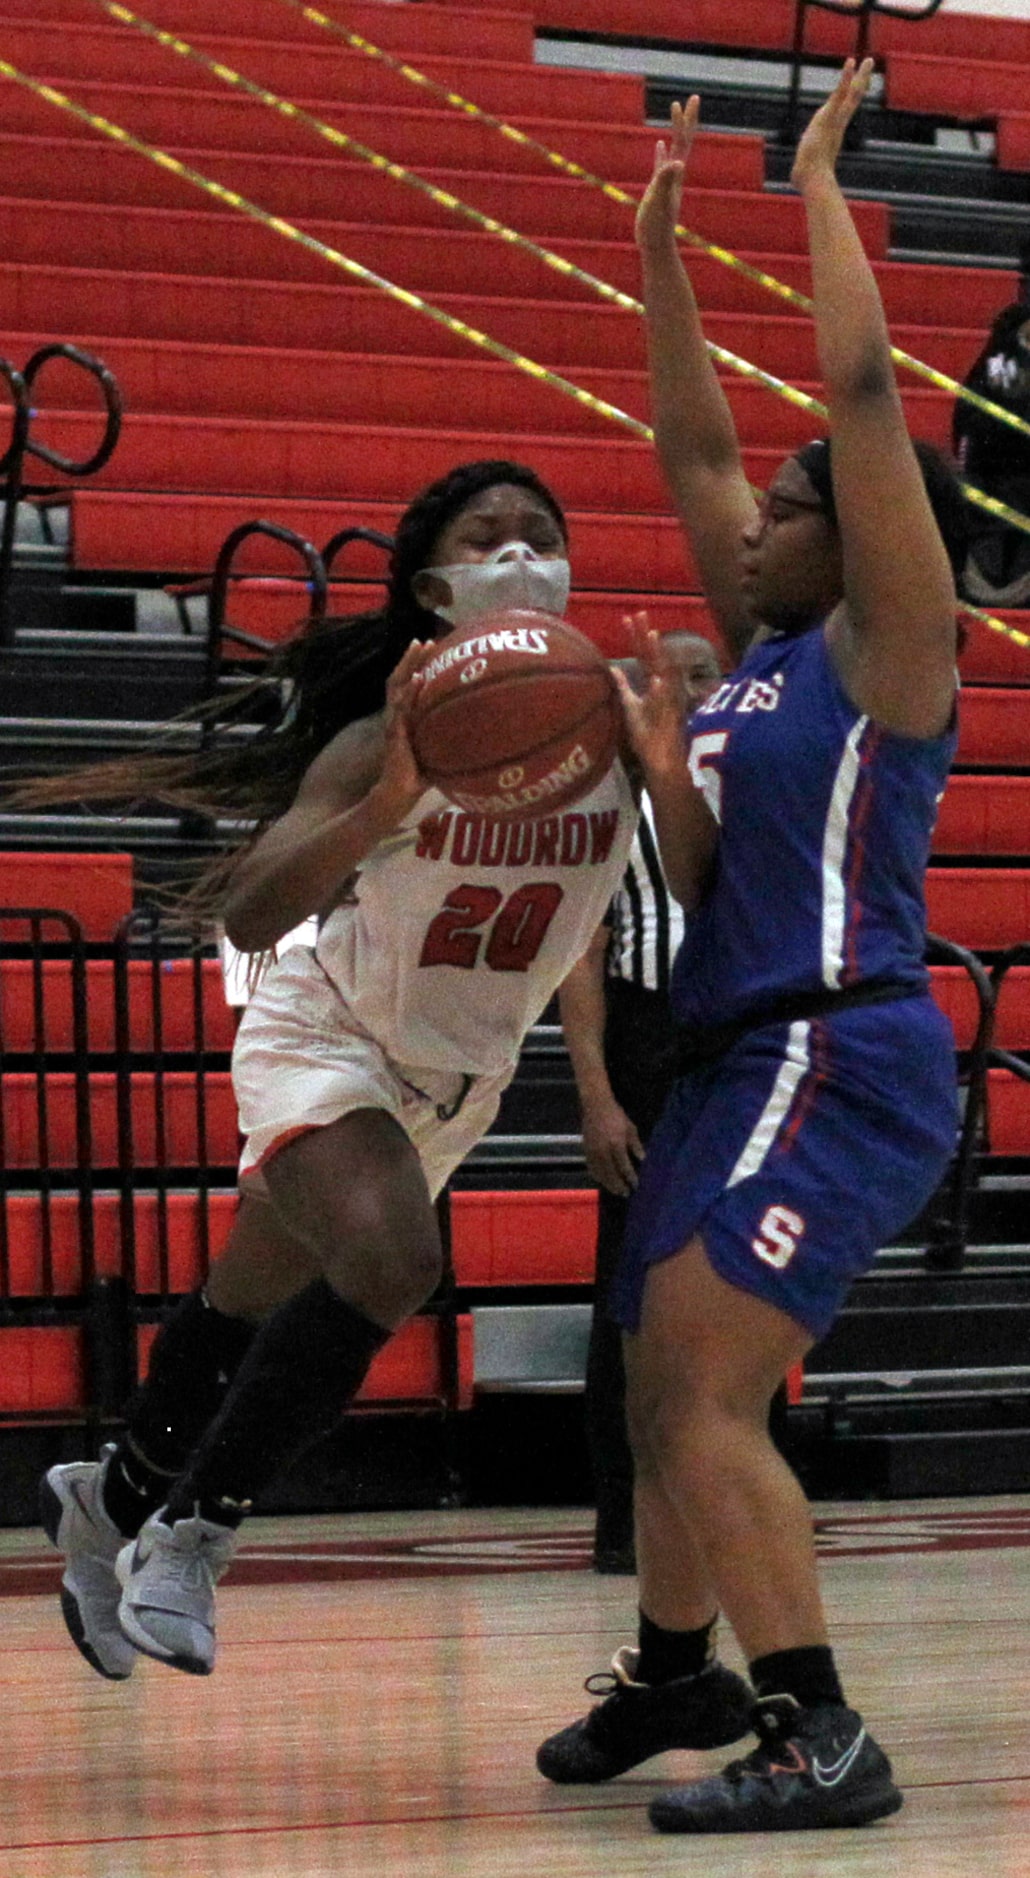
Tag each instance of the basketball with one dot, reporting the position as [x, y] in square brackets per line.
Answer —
[517, 719]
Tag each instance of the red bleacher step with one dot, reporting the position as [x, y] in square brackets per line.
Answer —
[984, 815]
[1008, 1108]
[498, 32]
[967, 88]
[228, 120]
[321, 75]
[769, 25]
[994, 724]
[174, 984]
[982, 908]
[166, 378]
[302, 187]
[178, 1111]
[95, 888]
[305, 187]
[42, 1370]
[117, 529]
[428, 259]
[955, 995]
[529, 1237]
[1013, 141]
[182, 1214]
[293, 319]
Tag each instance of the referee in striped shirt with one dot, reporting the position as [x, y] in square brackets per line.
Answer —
[620, 1037]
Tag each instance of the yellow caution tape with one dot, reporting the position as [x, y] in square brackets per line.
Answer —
[233, 200]
[442, 197]
[489, 223]
[996, 625]
[117, 133]
[615, 194]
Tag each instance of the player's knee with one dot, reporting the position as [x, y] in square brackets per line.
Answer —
[390, 1280]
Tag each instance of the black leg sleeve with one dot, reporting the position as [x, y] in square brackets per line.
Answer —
[305, 1365]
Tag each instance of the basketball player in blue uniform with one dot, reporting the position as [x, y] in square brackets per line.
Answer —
[817, 1109]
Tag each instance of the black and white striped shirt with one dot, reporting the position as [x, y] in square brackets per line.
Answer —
[646, 922]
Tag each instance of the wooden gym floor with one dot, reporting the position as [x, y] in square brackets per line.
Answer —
[383, 1682]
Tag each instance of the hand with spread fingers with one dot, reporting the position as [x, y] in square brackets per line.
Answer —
[654, 716]
[659, 209]
[820, 145]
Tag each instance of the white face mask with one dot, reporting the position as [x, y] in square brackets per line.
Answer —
[512, 576]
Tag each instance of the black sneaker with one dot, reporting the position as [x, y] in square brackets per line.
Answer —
[813, 1767]
[635, 1721]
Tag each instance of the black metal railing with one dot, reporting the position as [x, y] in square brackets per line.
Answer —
[863, 12]
[314, 586]
[14, 488]
[949, 1231]
[146, 1015]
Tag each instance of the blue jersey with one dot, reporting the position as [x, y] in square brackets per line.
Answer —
[825, 827]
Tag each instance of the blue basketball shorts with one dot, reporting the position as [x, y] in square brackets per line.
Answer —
[797, 1155]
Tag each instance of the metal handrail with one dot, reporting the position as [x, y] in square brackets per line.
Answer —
[12, 463]
[997, 1057]
[218, 591]
[863, 11]
[949, 1233]
[345, 536]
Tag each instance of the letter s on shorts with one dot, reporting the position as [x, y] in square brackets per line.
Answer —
[777, 1238]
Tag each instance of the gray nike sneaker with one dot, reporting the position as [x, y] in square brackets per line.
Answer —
[812, 1768]
[71, 1508]
[168, 1577]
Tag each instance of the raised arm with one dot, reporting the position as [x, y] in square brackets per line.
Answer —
[894, 639]
[694, 430]
[356, 791]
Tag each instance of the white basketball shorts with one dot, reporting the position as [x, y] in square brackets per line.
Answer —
[303, 1060]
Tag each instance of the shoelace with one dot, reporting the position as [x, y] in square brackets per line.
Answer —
[189, 1567]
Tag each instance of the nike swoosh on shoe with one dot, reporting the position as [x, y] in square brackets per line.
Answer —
[832, 1776]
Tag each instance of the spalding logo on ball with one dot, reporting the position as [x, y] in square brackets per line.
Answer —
[517, 719]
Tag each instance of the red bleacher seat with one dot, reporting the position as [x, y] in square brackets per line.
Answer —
[179, 1112]
[983, 908]
[42, 1370]
[501, 32]
[316, 72]
[526, 1238]
[955, 995]
[181, 1213]
[769, 25]
[95, 888]
[966, 88]
[1013, 141]
[994, 725]
[984, 815]
[175, 986]
[1008, 1107]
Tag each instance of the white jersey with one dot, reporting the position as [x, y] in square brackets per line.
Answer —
[458, 928]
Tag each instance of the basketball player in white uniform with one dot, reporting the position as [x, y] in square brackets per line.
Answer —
[365, 1069]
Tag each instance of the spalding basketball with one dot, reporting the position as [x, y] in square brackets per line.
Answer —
[516, 719]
